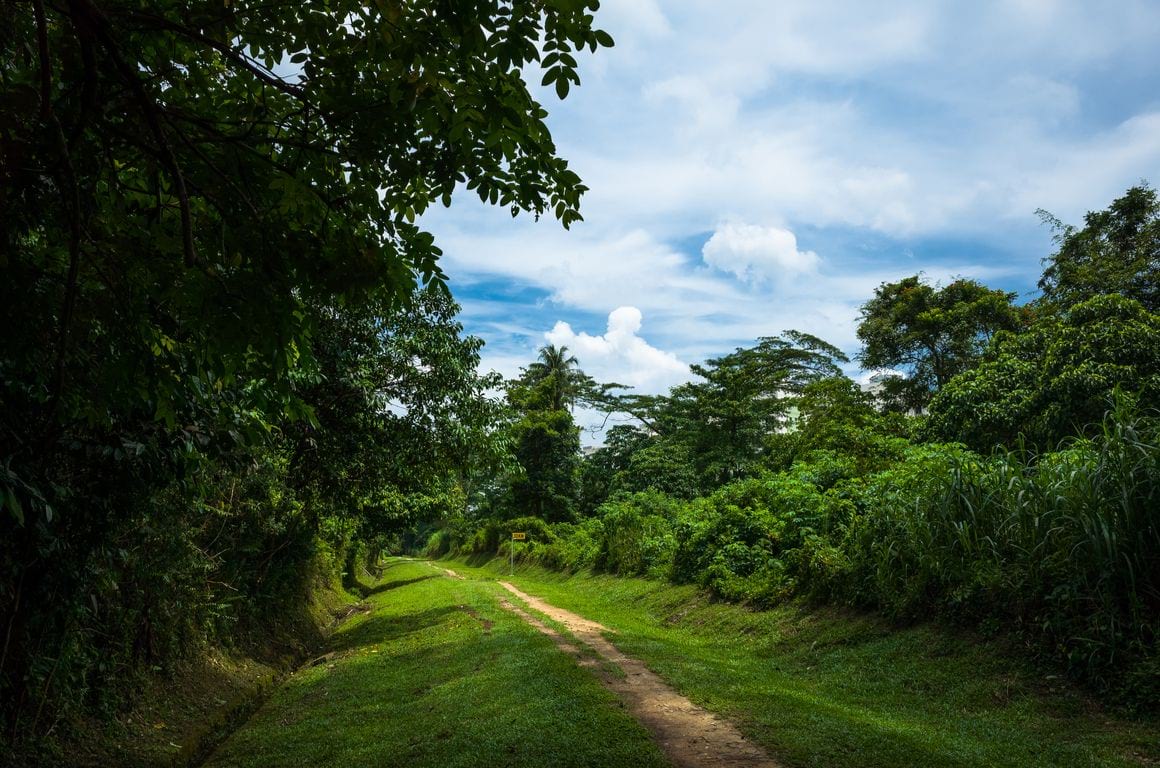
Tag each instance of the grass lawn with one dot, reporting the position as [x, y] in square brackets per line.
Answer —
[826, 687]
[439, 675]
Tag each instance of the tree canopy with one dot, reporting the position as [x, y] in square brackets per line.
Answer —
[189, 177]
[930, 333]
[1055, 379]
[1116, 251]
[237, 359]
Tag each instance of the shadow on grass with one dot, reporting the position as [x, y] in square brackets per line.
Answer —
[384, 629]
[479, 559]
[354, 585]
[388, 586]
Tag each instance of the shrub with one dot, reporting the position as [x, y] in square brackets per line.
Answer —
[1063, 546]
[637, 533]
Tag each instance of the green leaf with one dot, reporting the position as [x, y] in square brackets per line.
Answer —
[14, 506]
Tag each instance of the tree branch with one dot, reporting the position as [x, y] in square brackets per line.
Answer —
[236, 57]
[150, 110]
[45, 60]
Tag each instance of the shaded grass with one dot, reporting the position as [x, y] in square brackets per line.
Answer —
[827, 687]
[178, 715]
[439, 675]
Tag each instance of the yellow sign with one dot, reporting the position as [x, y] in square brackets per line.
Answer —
[518, 536]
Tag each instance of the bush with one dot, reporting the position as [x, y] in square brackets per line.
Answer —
[575, 546]
[637, 533]
[742, 542]
[1063, 546]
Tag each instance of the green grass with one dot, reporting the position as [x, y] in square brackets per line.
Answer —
[825, 687]
[422, 681]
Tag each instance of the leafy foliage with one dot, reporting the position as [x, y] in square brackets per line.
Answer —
[931, 333]
[1054, 379]
[723, 423]
[1116, 251]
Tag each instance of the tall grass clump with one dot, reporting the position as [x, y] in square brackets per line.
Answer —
[1063, 547]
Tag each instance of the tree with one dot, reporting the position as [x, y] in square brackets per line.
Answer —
[556, 374]
[399, 407]
[1053, 380]
[546, 444]
[1117, 251]
[544, 437]
[931, 333]
[836, 415]
[180, 183]
[726, 419]
[207, 211]
[663, 465]
[601, 470]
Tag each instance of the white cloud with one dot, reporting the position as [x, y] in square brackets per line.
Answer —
[708, 107]
[643, 16]
[754, 253]
[715, 139]
[1087, 174]
[621, 355]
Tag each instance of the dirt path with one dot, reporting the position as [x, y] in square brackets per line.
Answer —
[691, 737]
[448, 571]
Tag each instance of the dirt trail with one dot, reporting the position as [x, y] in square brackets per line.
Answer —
[448, 571]
[689, 736]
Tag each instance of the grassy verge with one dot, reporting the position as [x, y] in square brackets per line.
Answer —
[825, 687]
[437, 674]
[180, 714]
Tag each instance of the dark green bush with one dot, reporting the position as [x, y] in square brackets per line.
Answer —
[1064, 547]
[577, 546]
[637, 533]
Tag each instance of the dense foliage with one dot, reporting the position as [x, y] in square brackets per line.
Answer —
[1116, 251]
[1053, 380]
[931, 334]
[1023, 501]
[220, 376]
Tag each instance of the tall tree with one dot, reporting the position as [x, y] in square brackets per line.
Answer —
[557, 375]
[545, 438]
[181, 182]
[1055, 379]
[1116, 251]
[196, 199]
[726, 419]
[399, 406]
[930, 333]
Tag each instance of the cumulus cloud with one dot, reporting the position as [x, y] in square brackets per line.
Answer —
[643, 16]
[877, 132]
[755, 253]
[620, 354]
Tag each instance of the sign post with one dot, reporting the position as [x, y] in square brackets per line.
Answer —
[516, 536]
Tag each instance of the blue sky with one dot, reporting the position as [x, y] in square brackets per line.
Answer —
[758, 166]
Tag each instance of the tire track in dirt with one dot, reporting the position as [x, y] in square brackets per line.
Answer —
[689, 735]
